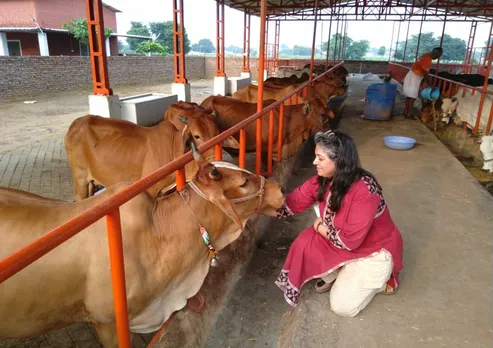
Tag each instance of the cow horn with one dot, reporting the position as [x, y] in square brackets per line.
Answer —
[196, 154]
[183, 119]
[213, 113]
[214, 173]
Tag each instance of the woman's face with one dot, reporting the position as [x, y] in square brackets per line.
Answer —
[325, 166]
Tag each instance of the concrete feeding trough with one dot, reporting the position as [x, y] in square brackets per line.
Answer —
[235, 83]
[146, 109]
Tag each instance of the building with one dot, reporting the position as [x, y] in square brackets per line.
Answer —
[34, 27]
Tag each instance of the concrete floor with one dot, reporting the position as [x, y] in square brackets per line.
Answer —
[445, 218]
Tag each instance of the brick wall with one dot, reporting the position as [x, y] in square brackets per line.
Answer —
[32, 75]
[233, 66]
[29, 76]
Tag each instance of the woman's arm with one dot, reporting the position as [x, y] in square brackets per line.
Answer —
[351, 233]
[300, 199]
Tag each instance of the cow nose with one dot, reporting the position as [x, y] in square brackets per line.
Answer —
[282, 190]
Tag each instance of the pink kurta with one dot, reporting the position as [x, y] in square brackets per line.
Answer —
[360, 228]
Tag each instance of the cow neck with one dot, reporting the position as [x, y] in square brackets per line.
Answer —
[205, 235]
[185, 195]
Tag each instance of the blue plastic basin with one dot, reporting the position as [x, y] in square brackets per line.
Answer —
[399, 143]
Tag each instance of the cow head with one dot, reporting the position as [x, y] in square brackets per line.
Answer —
[448, 107]
[316, 107]
[201, 129]
[237, 192]
[486, 149]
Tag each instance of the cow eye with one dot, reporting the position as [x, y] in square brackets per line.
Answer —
[196, 136]
[244, 183]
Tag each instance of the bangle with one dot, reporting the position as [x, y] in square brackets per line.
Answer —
[318, 225]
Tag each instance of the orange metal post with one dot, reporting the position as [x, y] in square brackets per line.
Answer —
[470, 48]
[181, 179]
[241, 160]
[280, 131]
[270, 145]
[328, 46]
[220, 38]
[441, 42]
[179, 42]
[296, 98]
[97, 47]
[260, 96]
[485, 87]
[118, 278]
[246, 44]
[276, 44]
[315, 10]
[218, 152]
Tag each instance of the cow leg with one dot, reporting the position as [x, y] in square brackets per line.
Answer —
[107, 335]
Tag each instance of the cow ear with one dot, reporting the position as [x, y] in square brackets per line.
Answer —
[231, 143]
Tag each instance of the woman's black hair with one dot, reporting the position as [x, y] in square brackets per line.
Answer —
[341, 149]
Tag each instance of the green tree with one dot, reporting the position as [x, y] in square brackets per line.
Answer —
[454, 48]
[302, 51]
[285, 51]
[204, 46]
[381, 51]
[234, 49]
[357, 50]
[137, 28]
[164, 34]
[78, 28]
[152, 47]
[340, 41]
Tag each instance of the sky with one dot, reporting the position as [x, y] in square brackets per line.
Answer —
[200, 22]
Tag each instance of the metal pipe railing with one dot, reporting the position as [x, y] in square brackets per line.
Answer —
[109, 207]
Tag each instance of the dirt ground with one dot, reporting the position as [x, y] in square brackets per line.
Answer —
[25, 124]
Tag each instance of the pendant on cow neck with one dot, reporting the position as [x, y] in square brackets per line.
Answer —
[214, 260]
[207, 241]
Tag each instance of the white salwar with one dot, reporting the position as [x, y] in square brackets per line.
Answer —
[356, 283]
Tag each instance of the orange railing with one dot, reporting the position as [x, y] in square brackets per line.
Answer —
[449, 88]
[22, 258]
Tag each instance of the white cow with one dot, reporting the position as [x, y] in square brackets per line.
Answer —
[486, 148]
[466, 109]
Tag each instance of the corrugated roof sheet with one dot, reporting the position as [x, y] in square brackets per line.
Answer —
[304, 9]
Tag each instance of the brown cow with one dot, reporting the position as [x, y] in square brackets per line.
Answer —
[103, 151]
[166, 259]
[249, 93]
[174, 112]
[300, 121]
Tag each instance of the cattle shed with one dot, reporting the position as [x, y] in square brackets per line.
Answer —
[432, 248]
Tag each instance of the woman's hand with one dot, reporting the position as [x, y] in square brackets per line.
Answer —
[319, 227]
